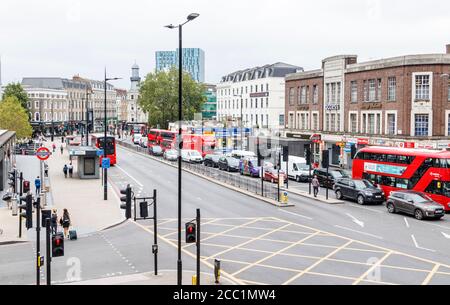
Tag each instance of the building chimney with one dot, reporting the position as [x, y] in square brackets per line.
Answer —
[448, 49]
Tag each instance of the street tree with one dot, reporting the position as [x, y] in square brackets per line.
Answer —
[16, 89]
[14, 117]
[159, 97]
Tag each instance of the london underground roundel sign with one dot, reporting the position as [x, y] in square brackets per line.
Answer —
[43, 153]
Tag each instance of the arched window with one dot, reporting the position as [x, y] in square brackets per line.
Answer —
[36, 116]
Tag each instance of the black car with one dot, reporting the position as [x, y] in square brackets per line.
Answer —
[212, 160]
[229, 164]
[363, 191]
[414, 203]
[333, 176]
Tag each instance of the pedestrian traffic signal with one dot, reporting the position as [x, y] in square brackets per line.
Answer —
[28, 207]
[26, 186]
[127, 199]
[191, 236]
[12, 180]
[57, 245]
[325, 158]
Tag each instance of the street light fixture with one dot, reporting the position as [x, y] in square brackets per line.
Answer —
[180, 118]
[105, 170]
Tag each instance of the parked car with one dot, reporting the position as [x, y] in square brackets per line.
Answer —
[249, 166]
[297, 169]
[137, 138]
[171, 155]
[212, 160]
[191, 156]
[414, 203]
[156, 150]
[229, 164]
[363, 191]
[333, 176]
[271, 174]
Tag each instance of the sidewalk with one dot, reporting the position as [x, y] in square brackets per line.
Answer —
[83, 198]
[164, 277]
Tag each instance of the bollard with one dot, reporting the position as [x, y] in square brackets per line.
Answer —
[217, 271]
[194, 280]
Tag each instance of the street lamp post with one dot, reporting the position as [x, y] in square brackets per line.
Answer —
[105, 170]
[180, 118]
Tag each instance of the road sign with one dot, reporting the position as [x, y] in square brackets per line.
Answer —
[43, 153]
[106, 163]
[100, 152]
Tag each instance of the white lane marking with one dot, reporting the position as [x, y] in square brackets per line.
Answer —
[140, 184]
[406, 222]
[417, 245]
[355, 220]
[295, 214]
[363, 233]
[446, 235]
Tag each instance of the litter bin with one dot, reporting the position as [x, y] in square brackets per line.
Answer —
[15, 206]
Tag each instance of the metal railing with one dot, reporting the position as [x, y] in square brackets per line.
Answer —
[252, 185]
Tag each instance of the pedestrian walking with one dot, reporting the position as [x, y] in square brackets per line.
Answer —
[54, 147]
[37, 184]
[62, 149]
[54, 222]
[70, 167]
[46, 169]
[65, 222]
[65, 170]
[315, 183]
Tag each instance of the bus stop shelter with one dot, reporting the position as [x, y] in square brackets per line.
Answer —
[88, 161]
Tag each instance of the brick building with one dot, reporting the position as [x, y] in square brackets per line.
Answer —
[400, 101]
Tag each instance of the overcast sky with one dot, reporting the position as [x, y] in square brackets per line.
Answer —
[61, 38]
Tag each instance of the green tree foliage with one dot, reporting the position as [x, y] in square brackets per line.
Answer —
[14, 117]
[159, 97]
[16, 90]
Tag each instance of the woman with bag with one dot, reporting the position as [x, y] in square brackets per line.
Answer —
[65, 222]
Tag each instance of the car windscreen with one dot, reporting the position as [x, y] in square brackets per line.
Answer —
[157, 149]
[419, 198]
[195, 153]
[109, 145]
[302, 166]
[338, 174]
[362, 184]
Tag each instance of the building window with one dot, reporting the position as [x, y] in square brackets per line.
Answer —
[328, 94]
[267, 102]
[364, 124]
[372, 90]
[307, 95]
[338, 93]
[303, 121]
[333, 122]
[379, 90]
[421, 125]
[379, 130]
[281, 120]
[291, 120]
[422, 87]
[391, 124]
[333, 93]
[448, 124]
[371, 123]
[327, 122]
[353, 123]
[299, 96]
[448, 92]
[354, 91]
[315, 121]
[291, 96]
[365, 91]
[316, 94]
[338, 122]
[36, 104]
[392, 89]
[303, 95]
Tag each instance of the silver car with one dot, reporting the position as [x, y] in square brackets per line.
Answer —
[414, 203]
[171, 155]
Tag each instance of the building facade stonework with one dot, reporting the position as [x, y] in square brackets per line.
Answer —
[402, 101]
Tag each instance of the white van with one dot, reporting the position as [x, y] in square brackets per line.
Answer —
[297, 169]
[239, 154]
[191, 156]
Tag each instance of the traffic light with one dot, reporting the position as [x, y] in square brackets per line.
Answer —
[143, 205]
[191, 236]
[285, 153]
[57, 245]
[325, 158]
[308, 156]
[28, 213]
[127, 199]
[26, 186]
[12, 180]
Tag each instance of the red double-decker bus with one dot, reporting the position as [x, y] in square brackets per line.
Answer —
[426, 171]
[168, 140]
[204, 144]
[154, 137]
[97, 140]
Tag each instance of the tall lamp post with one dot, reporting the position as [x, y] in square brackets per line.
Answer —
[105, 170]
[242, 119]
[180, 118]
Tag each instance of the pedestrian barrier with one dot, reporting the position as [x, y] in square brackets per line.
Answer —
[252, 185]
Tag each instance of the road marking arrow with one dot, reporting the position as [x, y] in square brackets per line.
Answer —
[355, 220]
[446, 235]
